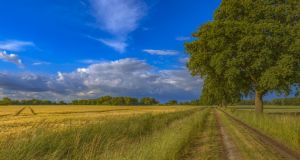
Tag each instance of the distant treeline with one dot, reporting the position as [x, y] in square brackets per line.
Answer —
[277, 101]
[105, 100]
[8, 101]
[108, 100]
[130, 101]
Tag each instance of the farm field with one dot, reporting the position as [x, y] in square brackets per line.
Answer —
[60, 117]
[148, 133]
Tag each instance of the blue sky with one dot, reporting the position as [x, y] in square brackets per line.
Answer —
[59, 49]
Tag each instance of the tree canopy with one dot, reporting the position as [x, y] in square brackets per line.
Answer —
[251, 47]
[148, 101]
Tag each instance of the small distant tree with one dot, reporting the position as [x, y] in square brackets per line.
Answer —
[117, 101]
[106, 100]
[148, 101]
[75, 102]
[6, 101]
[196, 102]
[130, 101]
[172, 102]
[62, 103]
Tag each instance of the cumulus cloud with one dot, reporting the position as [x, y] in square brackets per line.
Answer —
[125, 77]
[161, 52]
[30, 82]
[119, 18]
[13, 58]
[23, 82]
[15, 45]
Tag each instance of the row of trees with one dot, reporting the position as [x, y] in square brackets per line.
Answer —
[250, 48]
[108, 100]
[286, 101]
[277, 101]
[105, 100]
[8, 101]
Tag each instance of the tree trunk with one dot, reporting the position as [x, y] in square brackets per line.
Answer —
[224, 103]
[259, 104]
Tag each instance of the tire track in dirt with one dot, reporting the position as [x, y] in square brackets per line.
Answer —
[280, 148]
[231, 152]
[78, 112]
[195, 146]
[4, 115]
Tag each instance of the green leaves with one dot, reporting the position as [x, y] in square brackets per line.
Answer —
[252, 45]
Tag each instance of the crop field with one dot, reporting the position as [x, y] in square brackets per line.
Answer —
[149, 133]
[60, 117]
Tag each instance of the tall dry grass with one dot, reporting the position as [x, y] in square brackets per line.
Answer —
[99, 140]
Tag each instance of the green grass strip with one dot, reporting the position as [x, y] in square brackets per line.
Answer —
[166, 144]
[284, 128]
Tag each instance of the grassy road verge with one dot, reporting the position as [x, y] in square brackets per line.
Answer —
[250, 146]
[166, 144]
[284, 128]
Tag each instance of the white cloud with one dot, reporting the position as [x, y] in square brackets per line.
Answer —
[119, 18]
[183, 38]
[39, 63]
[118, 45]
[13, 58]
[15, 45]
[60, 76]
[161, 52]
[89, 61]
[125, 77]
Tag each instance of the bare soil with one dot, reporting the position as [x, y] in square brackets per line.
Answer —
[230, 149]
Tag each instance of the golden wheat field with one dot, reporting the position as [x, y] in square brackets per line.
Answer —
[19, 120]
[146, 133]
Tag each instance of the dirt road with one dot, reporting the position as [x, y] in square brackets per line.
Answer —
[226, 138]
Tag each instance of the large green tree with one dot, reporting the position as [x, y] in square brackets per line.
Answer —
[216, 91]
[252, 44]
